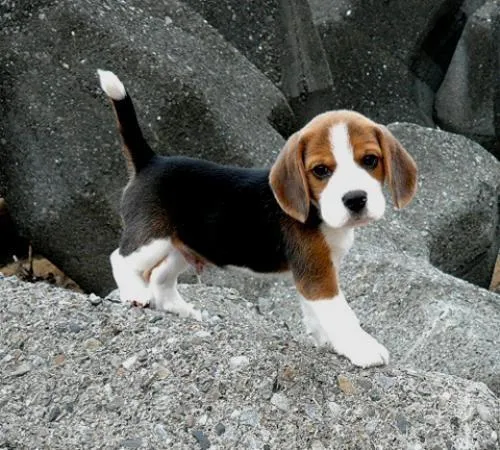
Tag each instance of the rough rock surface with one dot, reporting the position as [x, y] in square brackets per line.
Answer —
[253, 28]
[62, 171]
[78, 371]
[372, 47]
[454, 219]
[280, 38]
[428, 320]
[465, 100]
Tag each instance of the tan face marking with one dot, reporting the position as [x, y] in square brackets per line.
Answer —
[341, 152]
[318, 147]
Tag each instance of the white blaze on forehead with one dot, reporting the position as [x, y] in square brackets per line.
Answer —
[341, 144]
[348, 176]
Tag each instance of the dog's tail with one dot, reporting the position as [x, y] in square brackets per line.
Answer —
[135, 148]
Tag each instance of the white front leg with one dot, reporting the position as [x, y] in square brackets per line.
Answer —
[332, 321]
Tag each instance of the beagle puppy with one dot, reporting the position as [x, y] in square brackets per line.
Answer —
[296, 217]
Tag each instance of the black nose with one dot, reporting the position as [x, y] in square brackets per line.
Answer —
[355, 200]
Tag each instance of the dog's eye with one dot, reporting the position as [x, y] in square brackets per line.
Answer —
[370, 161]
[321, 172]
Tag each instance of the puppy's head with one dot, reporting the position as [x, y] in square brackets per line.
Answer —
[339, 162]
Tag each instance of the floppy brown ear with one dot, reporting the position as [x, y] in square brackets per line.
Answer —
[400, 168]
[288, 180]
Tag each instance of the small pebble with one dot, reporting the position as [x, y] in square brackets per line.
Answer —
[203, 420]
[335, 409]
[220, 429]
[54, 413]
[75, 327]
[402, 423]
[414, 446]
[94, 299]
[202, 439]
[129, 362]
[280, 401]
[371, 426]
[424, 389]
[142, 356]
[6, 359]
[37, 361]
[484, 413]
[317, 445]
[132, 443]
[23, 369]
[160, 431]
[311, 411]
[92, 344]
[162, 373]
[345, 385]
[249, 417]
[444, 398]
[385, 382]
[202, 334]
[238, 362]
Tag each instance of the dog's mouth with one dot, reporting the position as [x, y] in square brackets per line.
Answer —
[359, 220]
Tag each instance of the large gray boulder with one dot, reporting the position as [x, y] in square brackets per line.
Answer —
[61, 169]
[280, 38]
[375, 52]
[454, 220]
[80, 372]
[465, 100]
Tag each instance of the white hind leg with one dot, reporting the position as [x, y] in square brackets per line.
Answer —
[163, 285]
[133, 289]
[128, 271]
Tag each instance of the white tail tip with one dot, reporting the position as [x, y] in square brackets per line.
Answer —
[111, 85]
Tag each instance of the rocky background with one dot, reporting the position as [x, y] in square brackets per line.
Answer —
[229, 81]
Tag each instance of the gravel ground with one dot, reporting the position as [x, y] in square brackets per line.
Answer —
[78, 371]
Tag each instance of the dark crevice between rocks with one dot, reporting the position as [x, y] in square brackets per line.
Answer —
[11, 243]
[306, 79]
[453, 253]
[283, 120]
[437, 49]
[434, 56]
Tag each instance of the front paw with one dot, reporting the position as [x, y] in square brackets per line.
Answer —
[362, 349]
[141, 299]
[176, 305]
[190, 311]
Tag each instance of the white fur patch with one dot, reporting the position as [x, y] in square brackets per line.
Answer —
[131, 284]
[333, 322]
[166, 264]
[111, 85]
[348, 176]
[147, 256]
[339, 240]
[163, 284]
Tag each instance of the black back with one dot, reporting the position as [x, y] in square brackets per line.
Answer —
[228, 215]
